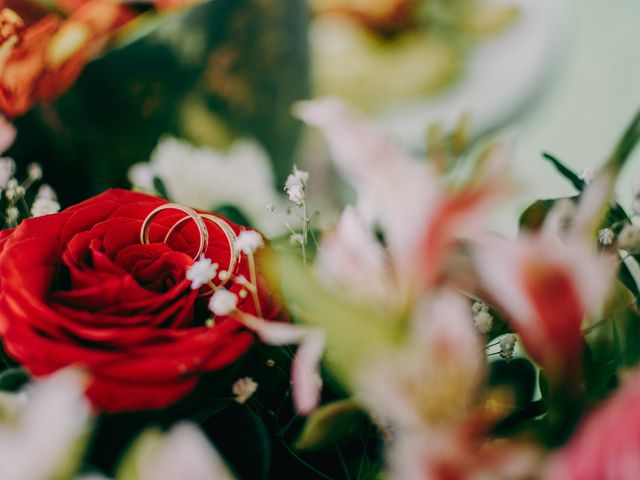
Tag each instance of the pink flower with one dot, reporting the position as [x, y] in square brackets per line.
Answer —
[435, 378]
[461, 454]
[7, 134]
[420, 217]
[606, 445]
[546, 288]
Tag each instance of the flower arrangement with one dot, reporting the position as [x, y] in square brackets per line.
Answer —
[201, 323]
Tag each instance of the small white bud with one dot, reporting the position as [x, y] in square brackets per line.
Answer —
[271, 207]
[12, 189]
[12, 215]
[295, 185]
[478, 307]
[244, 388]
[249, 241]
[483, 321]
[7, 170]
[43, 206]
[507, 346]
[46, 192]
[223, 302]
[606, 236]
[34, 172]
[201, 272]
[296, 193]
[296, 239]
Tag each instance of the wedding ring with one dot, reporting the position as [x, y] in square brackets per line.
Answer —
[190, 214]
[229, 234]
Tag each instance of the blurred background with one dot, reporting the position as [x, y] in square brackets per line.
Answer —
[561, 76]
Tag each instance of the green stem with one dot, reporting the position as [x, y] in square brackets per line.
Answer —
[254, 283]
[305, 232]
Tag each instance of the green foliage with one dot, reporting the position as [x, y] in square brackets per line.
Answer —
[329, 424]
[13, 379]
[355, 333]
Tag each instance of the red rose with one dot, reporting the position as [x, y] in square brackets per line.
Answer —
[78, 287]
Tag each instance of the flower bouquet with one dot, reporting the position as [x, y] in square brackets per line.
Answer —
[202, 324]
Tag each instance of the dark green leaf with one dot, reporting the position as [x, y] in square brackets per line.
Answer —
[566, 172]
[519, 375]
[13, 379]
[242, 438]
[330, 424]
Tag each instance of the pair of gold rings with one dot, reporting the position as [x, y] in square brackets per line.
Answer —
[199, 219]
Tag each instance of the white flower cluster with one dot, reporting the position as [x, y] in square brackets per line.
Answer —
[606, 236]
[482, 319]
[209, 179]
[223, 302]
[249, 241]
[201, 272]
[45, 203]
[295, 186]
[243, 389]
[507, 346]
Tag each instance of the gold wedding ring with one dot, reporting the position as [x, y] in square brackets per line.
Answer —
[199, 219]
[190, 214]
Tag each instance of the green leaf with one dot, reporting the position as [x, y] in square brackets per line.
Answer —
[329, 424]
[626, 145]
[13, 379]
[627, 329]
[534, 216]
[566, 172]
[355, 332]
[519, 375]
[144, 445]
[242, 438]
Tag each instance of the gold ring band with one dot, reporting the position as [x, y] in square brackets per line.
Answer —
[190, 214]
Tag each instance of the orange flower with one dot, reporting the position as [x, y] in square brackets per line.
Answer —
[42, 53]
[384, 15]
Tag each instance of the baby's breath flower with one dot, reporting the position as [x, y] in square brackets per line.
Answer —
[12, 215]
[249, 241]
[34, 172]
[295, 185]
[296, 193]
[7, 170]
[507, 346]
[478, 307]
[46, 192]
[483, 321]
[606, 236]
[296, 239]
[44, 206]
[271, 207]
[629, 238]
[243, 388]
[201, 272]
[14, 190]
[223, 302]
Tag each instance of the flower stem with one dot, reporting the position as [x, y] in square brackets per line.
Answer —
[305, 232]
[254, 282]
